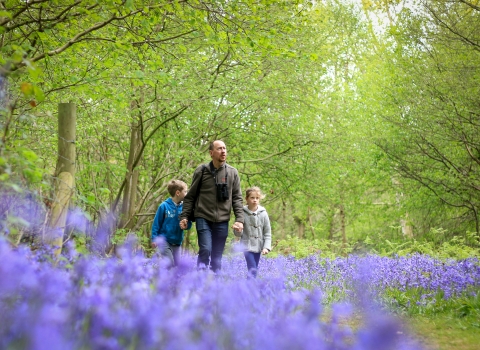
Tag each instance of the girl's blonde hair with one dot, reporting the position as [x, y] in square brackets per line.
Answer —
[253, 189]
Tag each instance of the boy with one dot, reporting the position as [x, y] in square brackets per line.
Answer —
[166, 222]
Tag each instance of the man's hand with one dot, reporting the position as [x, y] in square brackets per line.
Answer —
[265, 251]
[237, 226]
[183, 224]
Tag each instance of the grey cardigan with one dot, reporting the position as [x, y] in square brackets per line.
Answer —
[256, 234]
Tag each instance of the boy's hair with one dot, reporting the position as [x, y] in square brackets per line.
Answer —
[257, 189]
[174, 186]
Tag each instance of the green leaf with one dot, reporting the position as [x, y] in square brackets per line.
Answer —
[129, 5]
[139, 74]
[16, 220]
[6, 14]
[39, 95]
[29, 155]
[104, 190]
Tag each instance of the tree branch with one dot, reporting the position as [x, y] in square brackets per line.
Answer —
[469, 4]
[148, 41]
[79, 37]
[140, 152]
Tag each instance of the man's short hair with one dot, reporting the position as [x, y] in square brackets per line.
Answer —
[175, 185]
[212, 146]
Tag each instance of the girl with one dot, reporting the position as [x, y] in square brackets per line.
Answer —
[256, 236]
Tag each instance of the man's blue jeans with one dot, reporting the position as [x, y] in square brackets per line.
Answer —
[252, 260]
[211, 242]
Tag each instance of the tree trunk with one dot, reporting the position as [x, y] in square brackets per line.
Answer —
[3, 92]
[187, 245]
[331, 230]
[407, 229]
[130, 190]
[131, 178]
[477, 224]
[310, 222]
[6, 113]
[342, 225]
[283, 219]
[300, 227]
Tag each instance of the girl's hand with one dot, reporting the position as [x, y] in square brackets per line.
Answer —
[265, 251]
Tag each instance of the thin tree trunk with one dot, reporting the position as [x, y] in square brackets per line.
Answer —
[342, 225]
[309, 217]
[331, 230]
[104, 154]
[477, 223]
[3, 92]
[283, 218]
[407, 229]
[130, 189]
[6, 114]
[186, 242]
[300, 227]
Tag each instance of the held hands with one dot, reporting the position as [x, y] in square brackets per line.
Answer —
[265, 251]
[237, 227]
[184, 224]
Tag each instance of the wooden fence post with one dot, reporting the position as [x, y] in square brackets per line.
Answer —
[67, 115]
[64, 174]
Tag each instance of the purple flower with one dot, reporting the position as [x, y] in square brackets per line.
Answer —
[131, 301]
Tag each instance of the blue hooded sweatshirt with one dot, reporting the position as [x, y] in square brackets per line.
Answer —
[167, 222]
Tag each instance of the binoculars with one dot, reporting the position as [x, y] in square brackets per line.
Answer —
[222, 192]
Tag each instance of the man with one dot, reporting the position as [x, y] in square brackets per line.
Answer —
[214, 192]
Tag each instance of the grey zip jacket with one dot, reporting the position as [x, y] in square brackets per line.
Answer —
[206, 205]
[256, 234]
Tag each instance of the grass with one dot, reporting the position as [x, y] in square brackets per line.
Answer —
[446, 324]
[452, 324]
[440, 324]
[440, 332]
[445, 331]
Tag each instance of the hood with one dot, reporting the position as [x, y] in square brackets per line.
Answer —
[248, 211]
[171, 203]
